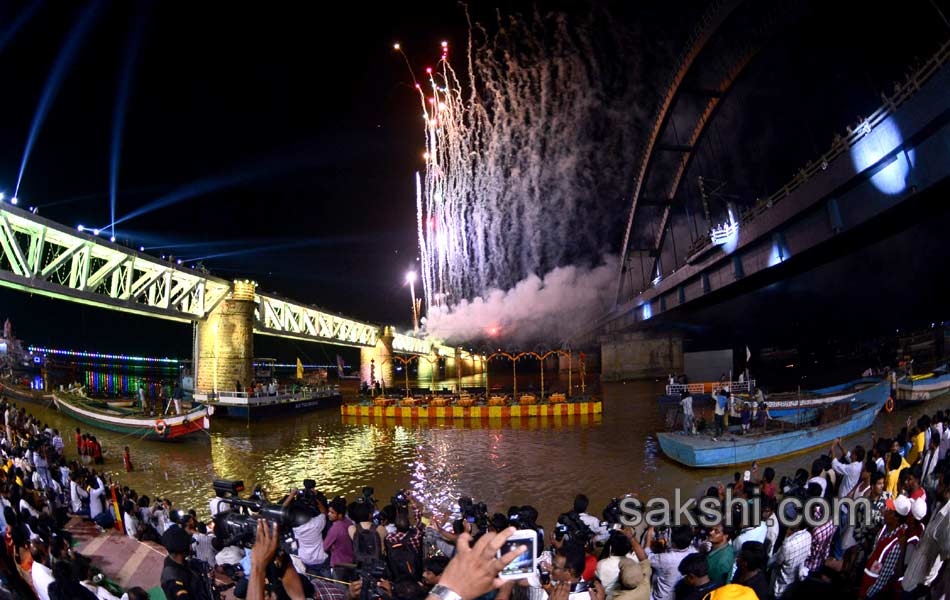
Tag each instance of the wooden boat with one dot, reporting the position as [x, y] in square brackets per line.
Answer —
[835, 421]
[288, 399]
[161, 428]
[801, 407]
[23, 394]
[927, 386]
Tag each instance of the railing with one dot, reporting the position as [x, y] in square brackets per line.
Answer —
[709, 386]
[284, 390]
[902, 93]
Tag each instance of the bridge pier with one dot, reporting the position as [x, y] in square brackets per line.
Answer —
[224, 349]
[428, 369]
[641, 355]
[376, 363]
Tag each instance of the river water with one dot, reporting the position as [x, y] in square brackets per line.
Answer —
[500, 463]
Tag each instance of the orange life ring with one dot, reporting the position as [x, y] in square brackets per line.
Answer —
[161, 427]
[889, 405]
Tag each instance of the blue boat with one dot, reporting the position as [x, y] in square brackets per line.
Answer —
[839, 420]
[803, 407]
[920, 388]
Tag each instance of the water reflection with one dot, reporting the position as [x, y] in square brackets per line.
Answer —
[531, 461]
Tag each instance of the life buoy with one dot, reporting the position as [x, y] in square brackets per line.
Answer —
[889, 405]
[161, 427]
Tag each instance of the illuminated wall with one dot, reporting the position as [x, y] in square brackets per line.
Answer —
[226, 343]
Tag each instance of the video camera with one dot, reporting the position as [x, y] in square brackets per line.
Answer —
[570, 526]
[370, 575]
[476, 514]
[238, 525]
[400, 499]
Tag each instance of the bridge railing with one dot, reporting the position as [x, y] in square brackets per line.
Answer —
[840, 144]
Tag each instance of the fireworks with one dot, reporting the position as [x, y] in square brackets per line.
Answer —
[515, 152]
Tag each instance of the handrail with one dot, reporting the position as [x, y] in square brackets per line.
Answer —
[709, 386]
[902, 93]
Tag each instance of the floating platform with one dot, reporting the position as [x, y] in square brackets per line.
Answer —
[562, 409]
[522, 423]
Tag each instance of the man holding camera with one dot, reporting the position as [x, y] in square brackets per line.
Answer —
[309, 538]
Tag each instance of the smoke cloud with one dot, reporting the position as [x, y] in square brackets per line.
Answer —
[548, 309]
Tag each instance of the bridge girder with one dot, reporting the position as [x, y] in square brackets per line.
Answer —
[40, 256]
[43, 257]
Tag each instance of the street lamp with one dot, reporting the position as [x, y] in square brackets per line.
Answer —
[411, 280]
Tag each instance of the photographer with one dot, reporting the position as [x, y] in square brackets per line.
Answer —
[404, 547]
[580, 507]
[309, 538]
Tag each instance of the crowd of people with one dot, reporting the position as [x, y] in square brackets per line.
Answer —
[336, 549]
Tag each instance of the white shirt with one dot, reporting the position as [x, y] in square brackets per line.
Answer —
[131, 524]
[100, 592]
[217, 505]
[230, 555]
[76, 496]
[95, 501]
[310, 541]
[666, 572]
[771, 533]
[851, 474]
[203, 549]
[608, 572]
[821, 481]
[753, 534]
[944, 442]
[600, 532]
[42, 577]
[687, 403]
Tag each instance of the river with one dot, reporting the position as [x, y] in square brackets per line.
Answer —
[499, 463]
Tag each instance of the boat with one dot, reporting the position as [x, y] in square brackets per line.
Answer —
[913, 389]
[159, 428]
[837, 420]
[288, 399]
[803, 406]
[20, 393]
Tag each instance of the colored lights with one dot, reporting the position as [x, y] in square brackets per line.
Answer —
[14, 201]
[101, 356]
[396, 46]
[80, 228]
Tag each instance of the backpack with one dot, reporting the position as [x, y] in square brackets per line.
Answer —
[366, 546]
[402, 561]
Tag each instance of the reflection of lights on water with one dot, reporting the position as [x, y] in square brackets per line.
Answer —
[875, 145]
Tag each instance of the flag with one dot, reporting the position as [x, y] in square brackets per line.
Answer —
[299, 369]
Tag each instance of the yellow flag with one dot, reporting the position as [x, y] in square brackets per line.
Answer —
[299, 369]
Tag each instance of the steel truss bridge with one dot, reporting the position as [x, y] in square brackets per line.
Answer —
[44, 257]
[838, 192]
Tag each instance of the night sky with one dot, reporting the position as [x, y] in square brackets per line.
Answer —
[313, 115]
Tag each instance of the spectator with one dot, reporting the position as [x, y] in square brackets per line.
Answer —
[720, 561]
[608, 568]
[883, 562]
[787, 563]
[665, 562]
[750, 568]
[581, 503]
[695, 584]
[338, 542]
[309, 538]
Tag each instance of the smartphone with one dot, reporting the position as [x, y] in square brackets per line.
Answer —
[526, 563]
